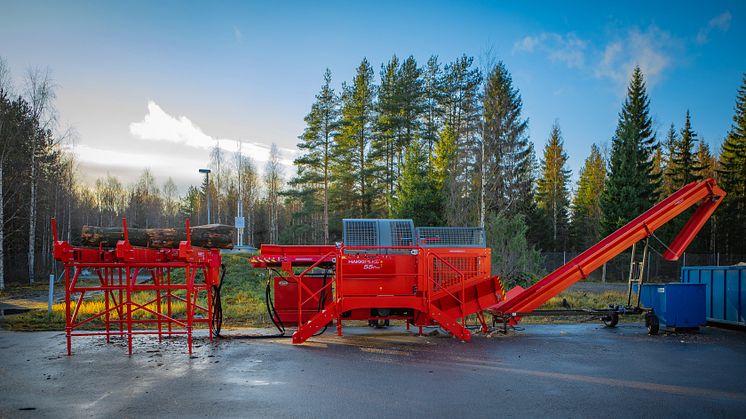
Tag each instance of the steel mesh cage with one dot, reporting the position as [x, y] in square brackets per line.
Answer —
[402, 233]
[360, 233]
[451, 237]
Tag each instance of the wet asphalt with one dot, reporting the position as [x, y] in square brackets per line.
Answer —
[579, 370]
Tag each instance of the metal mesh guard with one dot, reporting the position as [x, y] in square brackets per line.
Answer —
[360, 233]
[401, 233]
[451, 237]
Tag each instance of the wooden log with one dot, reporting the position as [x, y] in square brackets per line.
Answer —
[212, 235]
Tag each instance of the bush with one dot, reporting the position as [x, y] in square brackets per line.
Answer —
[513, 258]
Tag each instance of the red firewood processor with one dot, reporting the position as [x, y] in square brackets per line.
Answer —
[382, 270]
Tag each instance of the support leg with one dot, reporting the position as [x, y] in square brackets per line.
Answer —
[67, 311]
[129, 309]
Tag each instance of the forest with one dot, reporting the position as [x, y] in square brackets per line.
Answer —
[440, 143]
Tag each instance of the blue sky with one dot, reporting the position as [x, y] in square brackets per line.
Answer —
[153, 84]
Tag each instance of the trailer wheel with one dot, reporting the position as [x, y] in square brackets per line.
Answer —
[652, 323]
[611, 320]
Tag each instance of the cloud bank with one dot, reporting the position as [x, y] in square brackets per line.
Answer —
[157, 125]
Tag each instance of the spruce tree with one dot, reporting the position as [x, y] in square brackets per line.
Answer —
[732, 171]
[417, 196]
[508, 153]
[632, 184]
[664, 164]
[684, 166]
[586, 204]
[552, 194]
[706, 162]
[443, 169]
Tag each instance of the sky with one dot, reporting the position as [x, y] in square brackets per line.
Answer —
[156, 84]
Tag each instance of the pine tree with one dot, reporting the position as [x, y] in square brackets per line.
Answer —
[388, 126]
[508, 153]
[417, 196]
[355, 188]
[586, 204]
[631, 187]
[433, 98]
[684, 166]
[460, 104]
[311, 184]
[732, 171]
[552, 194]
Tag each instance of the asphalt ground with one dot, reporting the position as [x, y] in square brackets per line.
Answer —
[578, 370]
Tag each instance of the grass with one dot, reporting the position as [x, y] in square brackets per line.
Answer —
[243, 302]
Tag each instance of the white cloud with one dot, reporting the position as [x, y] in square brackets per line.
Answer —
[653, 50]
[158, 125]
[568, 49]
[720, 22]
[526, 44]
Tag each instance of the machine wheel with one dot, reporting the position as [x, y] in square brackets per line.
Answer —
[652, 323]
[611, 320]
[378, 324]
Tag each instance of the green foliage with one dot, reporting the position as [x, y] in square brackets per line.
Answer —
[353, 168]
[632, 184]
[732, 173]
[310, 186]
[664, 164]
[513, 258]
[586, 204]
[433, 96]
[509, 174]
[418, 197]
[683, 166]
[444, 159]
[552, 194]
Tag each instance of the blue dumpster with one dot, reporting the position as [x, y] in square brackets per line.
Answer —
[677, 305]
[726, 291]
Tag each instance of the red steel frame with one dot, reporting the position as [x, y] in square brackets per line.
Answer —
[433, 285]
[118, 269]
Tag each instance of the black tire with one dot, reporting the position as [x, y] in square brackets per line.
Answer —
[611, 320]
[380, 324]
[652, 323]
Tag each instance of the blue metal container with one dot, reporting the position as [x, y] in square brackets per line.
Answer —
[677, 305]
[726, 291]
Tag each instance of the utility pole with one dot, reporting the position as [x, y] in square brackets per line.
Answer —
[239, 201]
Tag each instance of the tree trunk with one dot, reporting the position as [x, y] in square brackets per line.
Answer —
[211, 235]
[32, 218]
[2, 230]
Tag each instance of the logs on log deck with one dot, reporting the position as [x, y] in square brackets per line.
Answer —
[212, 235]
